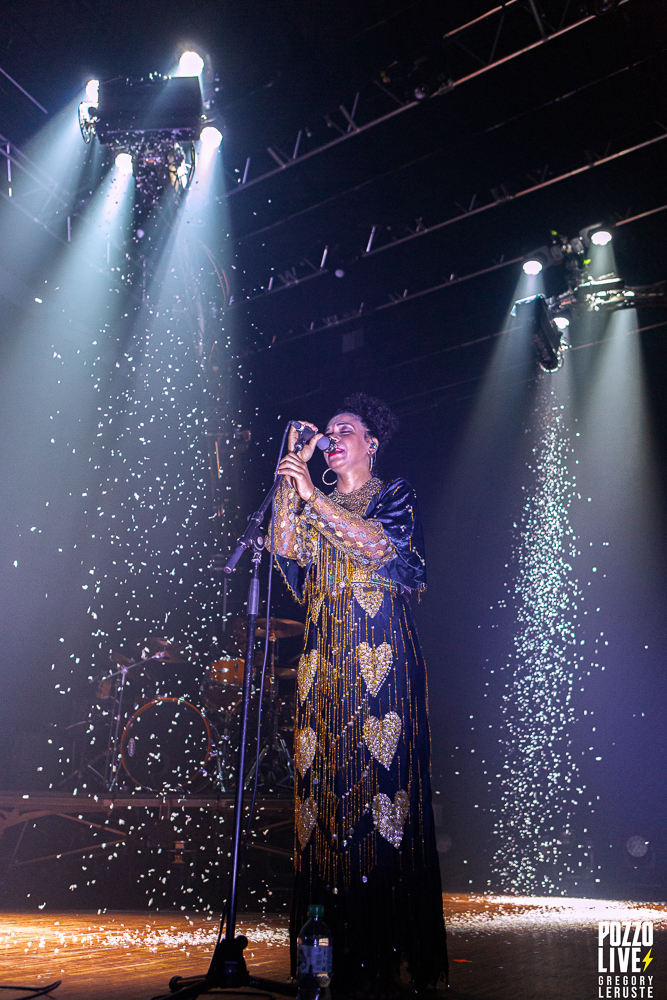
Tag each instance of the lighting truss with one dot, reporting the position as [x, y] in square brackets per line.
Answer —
[383, 238]
[505, 32]
[608, 294]
[585, 293]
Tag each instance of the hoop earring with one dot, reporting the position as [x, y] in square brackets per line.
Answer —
[324, 480]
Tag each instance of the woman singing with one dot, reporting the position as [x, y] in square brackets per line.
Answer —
[365, 841]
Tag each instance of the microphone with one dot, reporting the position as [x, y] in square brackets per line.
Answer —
[306, 433]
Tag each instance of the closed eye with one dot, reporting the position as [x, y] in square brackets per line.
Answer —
[342, 429]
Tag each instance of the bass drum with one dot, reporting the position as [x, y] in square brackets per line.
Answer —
[166, 745]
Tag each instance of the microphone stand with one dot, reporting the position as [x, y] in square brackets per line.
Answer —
[228, 969]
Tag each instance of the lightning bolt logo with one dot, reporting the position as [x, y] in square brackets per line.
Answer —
[647, 960]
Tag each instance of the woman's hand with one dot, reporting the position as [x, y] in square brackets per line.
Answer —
[294, 465]
[308, 449]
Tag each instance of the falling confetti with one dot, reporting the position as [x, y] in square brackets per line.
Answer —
[539, 780]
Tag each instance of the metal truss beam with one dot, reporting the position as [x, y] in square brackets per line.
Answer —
[362, 311]
[305, 270]
[348, 126]
[499, 195]
[33, 218]
[16, 158]
[23, 91]
[502, 196]
[254, 233]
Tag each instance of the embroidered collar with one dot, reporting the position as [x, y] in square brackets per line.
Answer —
[357, 501]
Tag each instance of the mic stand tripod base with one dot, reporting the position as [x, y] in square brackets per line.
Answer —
[227, 971]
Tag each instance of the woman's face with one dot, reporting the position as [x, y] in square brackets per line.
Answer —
[353, 443]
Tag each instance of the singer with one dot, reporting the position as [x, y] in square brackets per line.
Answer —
[365, 839]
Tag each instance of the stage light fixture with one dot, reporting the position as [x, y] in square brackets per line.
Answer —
[155, 122]
[149, 111]
[533, 320]
[124, 163]
[190, 64]
[532, 266]
[598, 234]
[92, 91]
[601, 237]
[211, 137]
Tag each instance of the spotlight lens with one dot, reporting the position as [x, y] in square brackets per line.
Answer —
[124, 163]
[190, 64]
[562, 322]
[211, 136]
[93, 91]
[532, 267]
[601, 238]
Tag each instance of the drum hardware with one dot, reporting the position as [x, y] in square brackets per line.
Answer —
[163, 649]
[113, 756]
[160, 677]
[225, 672]
[280, 628]
[286, 673]
[221, 695]
[214, 718]
[77, 733]
[274, 764]
[103, 689]
[165, 745]
[221, 763]
[160, 650]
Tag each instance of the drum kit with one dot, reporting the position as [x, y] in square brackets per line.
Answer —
[170, 731]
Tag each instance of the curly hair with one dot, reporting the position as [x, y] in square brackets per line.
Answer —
[375, 415]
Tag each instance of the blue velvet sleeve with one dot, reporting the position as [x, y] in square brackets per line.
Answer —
[395, 508]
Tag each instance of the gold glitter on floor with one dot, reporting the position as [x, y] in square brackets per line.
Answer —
[501, 948]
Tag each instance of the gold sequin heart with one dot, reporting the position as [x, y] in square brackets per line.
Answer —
[315, 605]
[381, 736]
[304, 749]
[368, 597]
[375, 664]
[305, 820]
[389, 817]
[306, 673]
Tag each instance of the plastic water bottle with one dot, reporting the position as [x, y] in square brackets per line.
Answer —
[314, 952]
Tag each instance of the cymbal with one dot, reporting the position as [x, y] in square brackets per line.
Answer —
[162, 649]
[119, 659]
[281, 628]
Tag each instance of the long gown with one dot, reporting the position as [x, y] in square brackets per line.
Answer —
[364, 830]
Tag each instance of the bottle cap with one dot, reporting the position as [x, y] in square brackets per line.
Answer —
[315, 910]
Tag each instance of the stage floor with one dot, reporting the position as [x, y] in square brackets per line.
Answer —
[501, 948]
